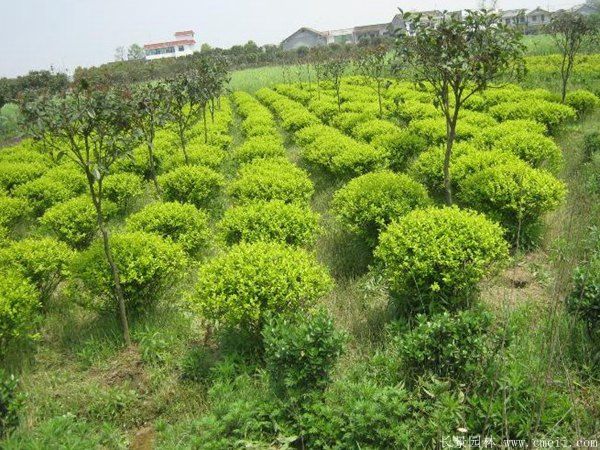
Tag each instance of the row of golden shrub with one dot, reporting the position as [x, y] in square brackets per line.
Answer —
[293, 116]
[263, 140]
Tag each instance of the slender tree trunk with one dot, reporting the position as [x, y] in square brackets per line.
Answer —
[450, 136]
[205, 124]
[97, 200]
[379, 99]
[153, 166]
[182, 142]
[565, 77]
[212, 110]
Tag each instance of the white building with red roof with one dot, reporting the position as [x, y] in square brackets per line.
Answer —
[183, 44]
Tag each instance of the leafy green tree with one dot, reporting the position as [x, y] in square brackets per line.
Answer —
[135, 53]
[570, 31]
[458, 57]
[190, 94]
[184, 98]
[374, 64]
[93, 128]
[151, 113]
[333, 70]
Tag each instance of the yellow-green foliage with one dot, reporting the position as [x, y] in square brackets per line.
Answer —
[400, 147]
[266, 146]
[582, 101]
[271, 179]
[428, 167]
[197, 185]
[415, 110]
[43, 261]
[488, 136]
[257, 119]
[434, 258]
[434, 129]
[55, 186]
[75, 221]
[367, 131]
[474, 161]
[254, 280]
[346, 121]
[276, 220]
[149, 267]
[13, 174]
[199, 154]
[539, 151]
[122, 189]
[514, 194]
[341, 155]
[19, 308]
[367, 204]
[293, 116]
[326, 108]
[13, 211]
[177, 222]
[543, 111]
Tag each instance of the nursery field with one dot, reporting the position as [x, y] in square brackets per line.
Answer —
[294, 278]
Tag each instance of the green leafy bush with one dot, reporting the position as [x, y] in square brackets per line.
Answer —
[401, 147]
[542, 111]
[180, 223]
[433, 130]
[341, 155]
[13, 211]
[13, 174]
[300, 352]
[122, 189]
[360, 414]
[538, 151]
[252, 281]
[367, 131]
[199, 154]
[584, 299]
[428, 167]
[451, 346]
[75, 221]
[487, 137]
[43, 261]
[347, 121]
[515, 195]
[197, 185]
[271, 179]
[259, 147]
[148, 266]
[415, 110]
[325, 108]
[433, 258]
[275, 220]
[582, 101]
[474, 161]
[19, 308]
[367, 204]
[591, 144]
[10, 403]
[45, 192]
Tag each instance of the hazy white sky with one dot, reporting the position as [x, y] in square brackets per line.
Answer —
[37, 34]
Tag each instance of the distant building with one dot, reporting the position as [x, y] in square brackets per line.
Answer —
[513, 17]
[585, 9]
[309, 37]
[184, 44]
[530, 21]
[538, 17]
